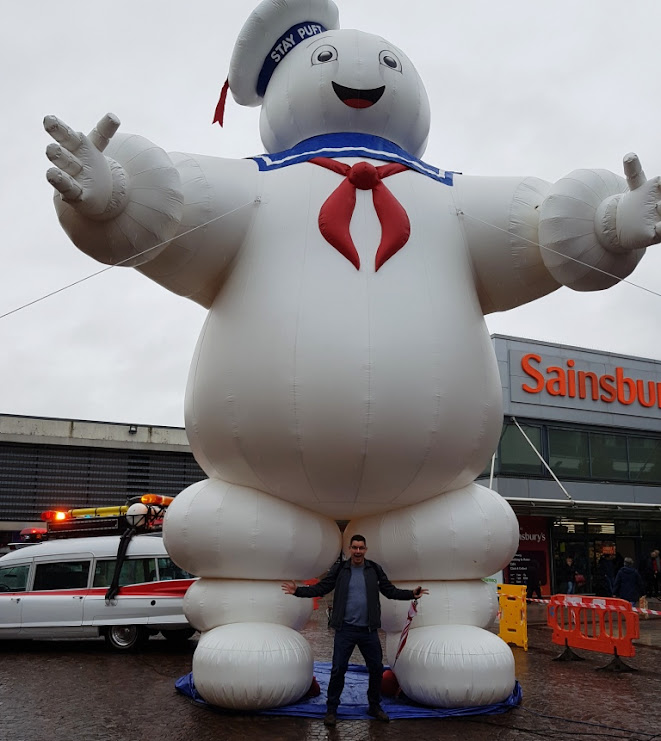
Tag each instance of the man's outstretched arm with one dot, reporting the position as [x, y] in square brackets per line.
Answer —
[326, 585]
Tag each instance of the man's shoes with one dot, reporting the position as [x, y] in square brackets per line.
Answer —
[330, 719]
[379, 713]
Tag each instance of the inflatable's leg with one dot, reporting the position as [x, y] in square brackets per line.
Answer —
[447, 544]
[244, 544]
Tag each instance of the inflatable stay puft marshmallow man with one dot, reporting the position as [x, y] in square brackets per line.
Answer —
[345, 370]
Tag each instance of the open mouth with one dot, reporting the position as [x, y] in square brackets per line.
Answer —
[358, 98]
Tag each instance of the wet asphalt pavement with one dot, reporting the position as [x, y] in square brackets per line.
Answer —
[81, 691]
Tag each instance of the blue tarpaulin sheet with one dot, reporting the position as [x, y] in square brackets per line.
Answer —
[354, 700]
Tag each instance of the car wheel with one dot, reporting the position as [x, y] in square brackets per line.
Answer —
[126, 637]
[178, 636]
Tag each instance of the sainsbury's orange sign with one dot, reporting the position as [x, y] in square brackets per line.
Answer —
[571, 382]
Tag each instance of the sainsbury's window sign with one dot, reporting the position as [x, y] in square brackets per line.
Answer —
[599, 383]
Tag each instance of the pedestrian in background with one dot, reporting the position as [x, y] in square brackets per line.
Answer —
[629, 583]
[604, 577]
[566, 574]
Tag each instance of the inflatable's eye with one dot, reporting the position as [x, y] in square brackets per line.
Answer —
[388, 59]
[323, 54]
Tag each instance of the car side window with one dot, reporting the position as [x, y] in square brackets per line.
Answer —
[134, 571]
[168, 569]
[61, 575]
[14, 578]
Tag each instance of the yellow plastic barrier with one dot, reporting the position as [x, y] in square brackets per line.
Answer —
[513, 614]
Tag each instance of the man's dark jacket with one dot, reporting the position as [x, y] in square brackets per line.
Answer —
[338, 578]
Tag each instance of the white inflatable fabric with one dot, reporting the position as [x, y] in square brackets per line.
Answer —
[310, 109]
[336, 377]
[453, 666]
[464, 534]
[213, 602]
[221, 530]
[448, 603]
[577, 209]
[228, 660]
[271, 32]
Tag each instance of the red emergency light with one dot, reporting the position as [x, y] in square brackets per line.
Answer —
[53, 515]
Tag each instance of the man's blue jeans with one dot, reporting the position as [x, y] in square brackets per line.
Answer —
[346, 639]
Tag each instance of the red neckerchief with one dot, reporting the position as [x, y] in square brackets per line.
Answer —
[335, 215]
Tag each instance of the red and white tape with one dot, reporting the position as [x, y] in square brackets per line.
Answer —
[640, 610]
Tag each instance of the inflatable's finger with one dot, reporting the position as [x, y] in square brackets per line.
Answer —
[64, 184]
[103, 132]
[633, 171]
[63, 159]
[62, 133]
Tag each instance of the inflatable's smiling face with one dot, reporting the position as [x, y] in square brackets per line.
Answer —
[345, 81]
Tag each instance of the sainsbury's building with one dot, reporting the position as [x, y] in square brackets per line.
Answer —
[579, 457]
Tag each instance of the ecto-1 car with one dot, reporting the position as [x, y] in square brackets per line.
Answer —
[60, 589]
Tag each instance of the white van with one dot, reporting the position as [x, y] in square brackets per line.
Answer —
[57, 589]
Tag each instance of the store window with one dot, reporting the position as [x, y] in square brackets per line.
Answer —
[565, 527]
[627, 528]
[601, 528]
[516, 455]
[644, 459]
[569, 453]
[608, 457]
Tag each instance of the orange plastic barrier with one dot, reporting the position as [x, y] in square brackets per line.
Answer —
[315, 600]
[603, 624]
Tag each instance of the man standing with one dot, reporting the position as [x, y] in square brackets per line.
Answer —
[566, 574]
[356, 618]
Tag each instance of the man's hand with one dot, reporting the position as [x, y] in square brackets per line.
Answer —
[289, 587]
[82, 174]
[638, 214]
[419, 591]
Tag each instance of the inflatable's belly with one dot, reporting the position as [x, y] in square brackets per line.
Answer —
[345, 390]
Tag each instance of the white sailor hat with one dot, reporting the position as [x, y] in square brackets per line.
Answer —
[272, 30]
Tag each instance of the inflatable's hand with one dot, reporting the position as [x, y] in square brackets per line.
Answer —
[631, 220]
[90, 182]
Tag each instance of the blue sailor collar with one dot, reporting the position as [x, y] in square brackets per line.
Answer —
[350, 145]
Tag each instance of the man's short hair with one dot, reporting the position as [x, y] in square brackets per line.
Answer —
[628, 561]
[357, 536]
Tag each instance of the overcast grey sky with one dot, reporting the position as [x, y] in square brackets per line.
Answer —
[516, 88]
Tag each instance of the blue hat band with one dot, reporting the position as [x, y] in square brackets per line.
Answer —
[288, 41]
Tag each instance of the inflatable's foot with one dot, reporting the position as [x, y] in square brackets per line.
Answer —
[452, 666]
[252, 666]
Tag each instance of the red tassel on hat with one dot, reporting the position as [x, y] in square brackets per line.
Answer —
[219, 115]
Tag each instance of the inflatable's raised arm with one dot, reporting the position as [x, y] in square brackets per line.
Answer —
[177, 218]
[345, 369]
[528, 237]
